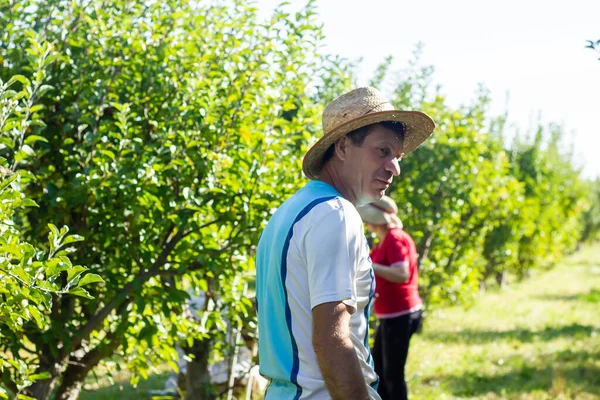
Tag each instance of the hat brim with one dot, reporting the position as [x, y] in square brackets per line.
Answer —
[418, 127]
[372, 215]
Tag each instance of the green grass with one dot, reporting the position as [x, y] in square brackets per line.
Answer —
[122, 389]
[539, 339]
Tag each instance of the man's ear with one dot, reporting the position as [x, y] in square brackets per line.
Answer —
[341, 148]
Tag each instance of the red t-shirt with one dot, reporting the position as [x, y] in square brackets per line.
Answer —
[395, 299]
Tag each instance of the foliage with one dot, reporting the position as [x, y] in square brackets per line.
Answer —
[172, 131]
[453, 191]
[32, 278]
[475, 206]
[591, 216]
[555, 199]
[594, 45]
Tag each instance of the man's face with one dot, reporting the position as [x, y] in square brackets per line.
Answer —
[369, 169]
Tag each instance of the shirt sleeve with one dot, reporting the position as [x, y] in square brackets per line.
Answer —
[331, 253]
[397, 249]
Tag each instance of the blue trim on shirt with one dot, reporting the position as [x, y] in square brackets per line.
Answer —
[288, 311]
[375, 384]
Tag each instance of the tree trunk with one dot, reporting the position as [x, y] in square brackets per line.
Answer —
[72, 381]
[500, 278]
[41, 389]
[425, 245]
[197, 380]
[482, 286]
[78, 369]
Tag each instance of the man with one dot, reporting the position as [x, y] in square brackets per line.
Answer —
[315, 280]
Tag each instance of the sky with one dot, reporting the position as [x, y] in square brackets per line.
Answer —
[532, 50]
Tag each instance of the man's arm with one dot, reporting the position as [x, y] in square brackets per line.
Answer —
[398, 273]
[335, 353]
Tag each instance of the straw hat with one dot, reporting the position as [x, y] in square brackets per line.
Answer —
[381, 212]
[361, 107]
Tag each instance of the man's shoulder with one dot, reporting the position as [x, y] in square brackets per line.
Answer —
[324, 210]
[316, 196]
[314, 205]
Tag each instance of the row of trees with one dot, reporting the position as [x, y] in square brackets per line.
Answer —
[483, 199]
[164, 134]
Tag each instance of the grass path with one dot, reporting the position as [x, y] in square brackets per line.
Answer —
[539, 339]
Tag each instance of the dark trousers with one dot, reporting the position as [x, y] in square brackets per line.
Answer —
[390, 352]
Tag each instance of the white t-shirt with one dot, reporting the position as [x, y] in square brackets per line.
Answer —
[313, 251]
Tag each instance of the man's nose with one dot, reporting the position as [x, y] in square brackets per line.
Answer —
[393, 166]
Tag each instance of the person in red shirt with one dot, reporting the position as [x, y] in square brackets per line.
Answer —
[398, 305]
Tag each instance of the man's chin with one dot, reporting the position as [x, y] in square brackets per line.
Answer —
[371, 197]
[379, 193]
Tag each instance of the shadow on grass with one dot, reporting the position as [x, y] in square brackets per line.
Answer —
[557, 380]
[585, 263]
[558, 297]
[124, 390]
[146, 390]
[592, 297]
[523, 335]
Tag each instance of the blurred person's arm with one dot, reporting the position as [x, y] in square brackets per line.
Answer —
[335, 353]
[397, 273]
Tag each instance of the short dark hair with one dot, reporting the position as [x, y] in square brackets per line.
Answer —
[359, 135]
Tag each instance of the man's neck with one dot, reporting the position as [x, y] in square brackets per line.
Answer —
[331, 177]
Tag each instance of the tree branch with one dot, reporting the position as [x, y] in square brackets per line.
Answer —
[121, 296]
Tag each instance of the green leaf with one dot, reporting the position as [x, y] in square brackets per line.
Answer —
[39, 377]
[75, 272]
[80, 292]
[8, 142]
[19, 365]
[109, 154]
[50, 59]
[4, 184]
[36, 107]
[43, 89]
[54, 229]
[29, 203]
[63, 231]
[34, 138]
[35, 313]
[65, 260]
[28, 150]
[24, 397]
[193, 143]
[22, 275]
[18, 78]
[90, 278]
[48, 286]
[45, 298]
[72, 239]
[53, 235]
[173, 365]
